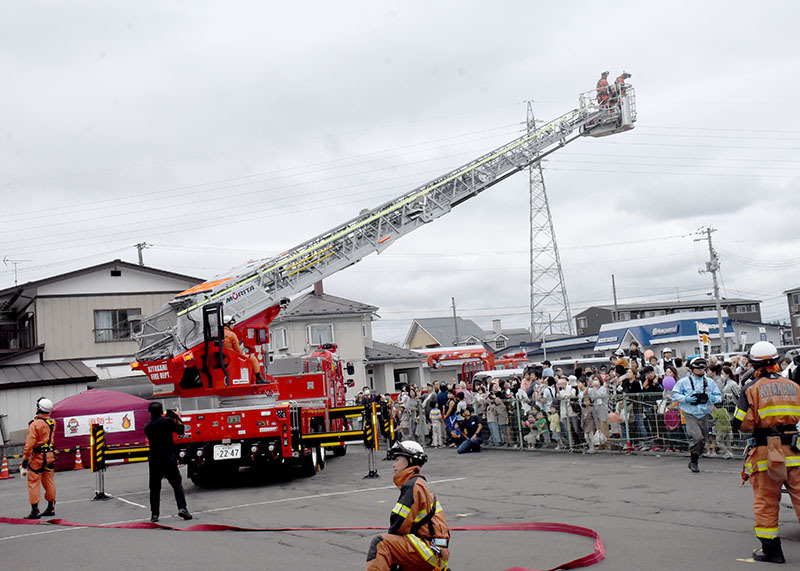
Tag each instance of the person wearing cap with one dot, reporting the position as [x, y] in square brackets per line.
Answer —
[418, 537]
[602, 90]
[231, 342]
[39, 460]
[770, 408]
[161, 461]
[694, 394]
[621, 359]
[666, 358]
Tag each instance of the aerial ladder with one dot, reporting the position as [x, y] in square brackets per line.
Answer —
[255, 293]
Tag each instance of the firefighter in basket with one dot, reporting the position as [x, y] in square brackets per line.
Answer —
[770, 408]
[418, 536]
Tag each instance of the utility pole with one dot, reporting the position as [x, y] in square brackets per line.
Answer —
[455, 321]
[141, 246]
[712, 267]
[614, 292]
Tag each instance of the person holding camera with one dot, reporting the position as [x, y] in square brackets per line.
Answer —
[694, 393]
[162, 462]
[770, 407]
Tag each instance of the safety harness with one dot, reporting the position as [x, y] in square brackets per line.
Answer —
[46, 448]
[429, 547]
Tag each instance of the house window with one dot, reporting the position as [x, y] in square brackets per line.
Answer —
[623, 315]
[116, 324]
[278, 339]
[745, 308]
[583, 323]
[797, 320]
[500, 343]
[796, 298]
[363, 330]
[319, 334]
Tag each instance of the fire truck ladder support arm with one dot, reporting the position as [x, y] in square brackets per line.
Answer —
[258, 285]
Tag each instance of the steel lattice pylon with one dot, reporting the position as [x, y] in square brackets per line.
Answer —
[549, 304]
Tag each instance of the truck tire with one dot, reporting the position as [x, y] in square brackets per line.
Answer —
[339, 451]
[309, 462]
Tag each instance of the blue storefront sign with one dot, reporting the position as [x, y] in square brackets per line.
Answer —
[612, 335]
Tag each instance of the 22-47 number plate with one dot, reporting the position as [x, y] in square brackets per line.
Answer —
[227, 451]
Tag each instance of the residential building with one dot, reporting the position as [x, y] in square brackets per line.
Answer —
[433, 332]
[50, 329]
[589, 321]
[793, 299]
[316, 318]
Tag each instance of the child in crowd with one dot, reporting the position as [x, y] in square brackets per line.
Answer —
[542, 433]
[437, 427]
[722, 430]
[492, 421]
[530, 437]
[555, 426]
[672, 422]
[588, 424]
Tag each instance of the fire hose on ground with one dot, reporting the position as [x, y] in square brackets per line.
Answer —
[597, 555]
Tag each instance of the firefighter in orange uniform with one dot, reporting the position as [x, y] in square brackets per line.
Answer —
[231, 342]
[770, 408]
[619, 87]
[418, 535]
[39, 460]
[602, 90]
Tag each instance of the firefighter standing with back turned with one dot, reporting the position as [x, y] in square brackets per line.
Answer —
[39, 460]
[770, 408]
[418, 535]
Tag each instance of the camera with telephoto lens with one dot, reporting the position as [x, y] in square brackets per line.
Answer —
[702, 398]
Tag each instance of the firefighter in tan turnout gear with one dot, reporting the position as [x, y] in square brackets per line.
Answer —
[418, 535]
[770, 408]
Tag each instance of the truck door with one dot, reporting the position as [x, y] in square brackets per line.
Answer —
[213, 338]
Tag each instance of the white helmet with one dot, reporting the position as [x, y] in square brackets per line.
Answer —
[44, 405]
[666, 350]
[227, 319]
[411, 450]
[763, 354]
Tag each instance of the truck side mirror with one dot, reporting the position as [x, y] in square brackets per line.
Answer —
[351, 370]
[350, 383]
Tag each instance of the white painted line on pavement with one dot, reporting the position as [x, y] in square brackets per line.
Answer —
[131, 503]
[323, 495]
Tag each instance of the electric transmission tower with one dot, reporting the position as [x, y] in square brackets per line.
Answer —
[549, 305]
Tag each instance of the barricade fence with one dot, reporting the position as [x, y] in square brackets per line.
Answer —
[633, 423]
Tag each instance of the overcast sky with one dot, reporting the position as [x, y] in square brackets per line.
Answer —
[224, 131]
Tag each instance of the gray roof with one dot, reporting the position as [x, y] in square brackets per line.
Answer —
[441, 329]
[673, 304]
[47, 373]
[383, 352]
[313, 305]
[112, 264]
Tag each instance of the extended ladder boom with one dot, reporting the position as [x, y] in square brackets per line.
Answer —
[258, 285]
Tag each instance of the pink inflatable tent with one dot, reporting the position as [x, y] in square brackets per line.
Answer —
[122, 415]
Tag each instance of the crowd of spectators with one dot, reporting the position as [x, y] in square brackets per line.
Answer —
[625, 404]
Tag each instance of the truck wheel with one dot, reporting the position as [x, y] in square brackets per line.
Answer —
[339, 451]
[321, 460]
[308, 465]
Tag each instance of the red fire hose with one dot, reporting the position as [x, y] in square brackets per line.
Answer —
[585, 561]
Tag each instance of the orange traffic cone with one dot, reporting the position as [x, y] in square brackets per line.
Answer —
[4, 473]
[78, 461]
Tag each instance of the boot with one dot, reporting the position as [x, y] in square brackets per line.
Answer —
[154, 518]
[770, 551]
[51, 509]
[693, 464]
[34, 512]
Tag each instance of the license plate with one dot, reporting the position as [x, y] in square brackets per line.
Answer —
[227, 451]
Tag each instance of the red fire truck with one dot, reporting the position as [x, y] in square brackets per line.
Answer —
[296, 407]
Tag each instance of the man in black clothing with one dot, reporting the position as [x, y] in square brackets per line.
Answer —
[470, 429]
[162, 461]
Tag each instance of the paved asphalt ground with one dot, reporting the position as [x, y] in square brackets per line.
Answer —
[651, 512]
